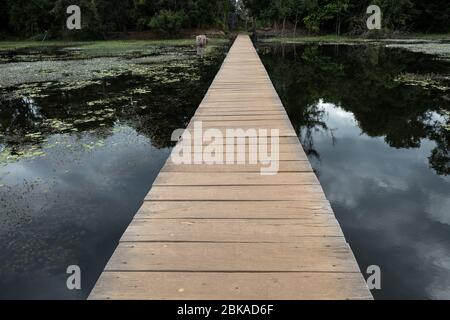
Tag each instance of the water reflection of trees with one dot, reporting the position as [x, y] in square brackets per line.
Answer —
[168, 105]
[361, 80]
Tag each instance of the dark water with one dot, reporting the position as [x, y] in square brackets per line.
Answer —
[76, 161]
[381, 149]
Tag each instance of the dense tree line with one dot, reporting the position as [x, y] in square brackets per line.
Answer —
[349, 16]
[26, 18]
[37, 17]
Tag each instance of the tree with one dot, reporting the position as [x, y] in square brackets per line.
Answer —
[116, 15]
[30, 17]
[297, 8]
[283, 9]
[339, 7]
[34, 17]
[4, 18]
[168, 21]
[256, 8]
[318, 15]
[397, 14]
[431, 16]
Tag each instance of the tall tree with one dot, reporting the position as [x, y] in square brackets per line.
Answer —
[30, 17]
[297, 9]
[116, 15]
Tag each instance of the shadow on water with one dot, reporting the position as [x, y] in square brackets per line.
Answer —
[76, 160]
[375, 124]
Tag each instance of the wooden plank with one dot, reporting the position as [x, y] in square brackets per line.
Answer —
[231, 230]
[242, 157]
[245, 131]
[236, 193]
[226, 112]
[238, 107]
[306, 256]
[242, 94]
[286, 144]
[284, 166]
[233, 179]
[279, 124]
[233, 209]
[244, 106]
[230, 286]
[243, 147]
[241, 89]
[213, 118]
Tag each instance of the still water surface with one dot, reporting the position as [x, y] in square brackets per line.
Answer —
[375, 124]
[78, 157]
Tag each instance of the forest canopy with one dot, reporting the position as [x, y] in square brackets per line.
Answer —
[349, 16]
[33, 18]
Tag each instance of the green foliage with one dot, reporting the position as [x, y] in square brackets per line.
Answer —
[168, 21]
[34, 18]
[27, 18]
[116, 15]
[317, 16]
[432, 16]
[350, 15]
[397, 14]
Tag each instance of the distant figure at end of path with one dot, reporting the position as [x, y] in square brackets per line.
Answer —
[202, 41]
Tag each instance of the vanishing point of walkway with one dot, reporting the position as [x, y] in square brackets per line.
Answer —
[226, 231]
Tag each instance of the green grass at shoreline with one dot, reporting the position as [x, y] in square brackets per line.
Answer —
[301, 39]
[350, 39]
[110, 45]
[128, 45]
[433, 36]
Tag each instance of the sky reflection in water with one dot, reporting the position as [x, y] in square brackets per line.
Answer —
[393, 208]
[370, 140]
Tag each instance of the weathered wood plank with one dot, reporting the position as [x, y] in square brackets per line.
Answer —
[279, 124]
[233, 179]
[245, 131]
[233, 209]
[221, 155]
[241, 107]
[231, 230]
[305, 256]
[285, 145]
[230, 286]
[234, 193]
[284, 166]
[241, 145]
[243, 111]
[228, 118]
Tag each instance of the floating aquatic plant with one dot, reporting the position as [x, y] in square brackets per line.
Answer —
[424, 80]
[92, 102]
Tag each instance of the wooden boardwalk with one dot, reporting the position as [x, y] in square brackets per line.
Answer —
[228, 232]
